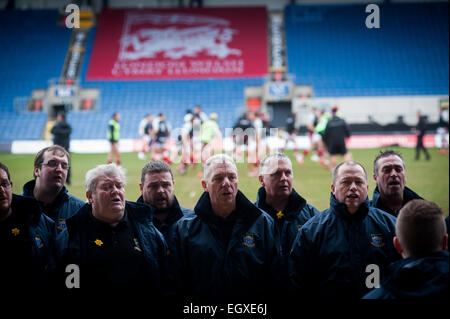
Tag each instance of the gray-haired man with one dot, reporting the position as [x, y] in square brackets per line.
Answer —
[228, 247]
[279, 199]
[113, 241]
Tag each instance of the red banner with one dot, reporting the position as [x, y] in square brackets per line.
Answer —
[132, 44]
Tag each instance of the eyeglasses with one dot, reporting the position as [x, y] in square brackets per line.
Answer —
[54, 164]
[5, 185]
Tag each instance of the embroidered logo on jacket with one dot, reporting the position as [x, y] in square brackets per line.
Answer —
[61, 224]
[136, 244]
[377, 240]
[249, 240]
[39, 242]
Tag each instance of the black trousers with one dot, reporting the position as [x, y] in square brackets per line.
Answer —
[421, 147]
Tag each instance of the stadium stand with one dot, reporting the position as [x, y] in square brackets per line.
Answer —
[34, 52]
[329, 47]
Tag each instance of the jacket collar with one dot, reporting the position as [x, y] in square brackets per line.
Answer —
[63, 194]
[295, 204]
[340, 209]
[245, 210]
[175, 212]
[419, 275]
[408, 194]
[26, 209]
[133, 211]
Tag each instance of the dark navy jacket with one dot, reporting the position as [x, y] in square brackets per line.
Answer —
[208, 266]
[408, 195]
[176, 212]
[420, 276]
[63, 207]
[296, 214]
[152, 243]
[332, 250]
[37, 231]
[447, 226]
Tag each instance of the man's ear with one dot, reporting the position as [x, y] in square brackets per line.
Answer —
[445, 242]
[397, 245]
[36, 171]
[332, 188]
[375, 178]
[204, 185]
[261, 180]
[140, 187]
[89, 196]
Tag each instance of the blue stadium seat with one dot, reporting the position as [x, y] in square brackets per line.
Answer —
[35, 52]
[329, 47]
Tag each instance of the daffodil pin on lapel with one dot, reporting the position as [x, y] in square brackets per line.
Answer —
[98, 242]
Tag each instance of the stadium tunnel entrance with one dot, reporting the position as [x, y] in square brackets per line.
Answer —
[279, 111]
[276, 98]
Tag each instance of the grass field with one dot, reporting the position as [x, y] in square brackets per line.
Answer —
[430, 179]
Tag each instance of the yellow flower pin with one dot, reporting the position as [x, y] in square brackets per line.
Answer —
[15, 231]
[280, 214]
[98, 242]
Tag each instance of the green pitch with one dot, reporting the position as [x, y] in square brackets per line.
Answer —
[430, 179]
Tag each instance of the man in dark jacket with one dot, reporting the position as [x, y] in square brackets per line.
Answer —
[333, 250]
[157, 189]
[389, 173]
[420, 131]
[228, 247]
[51, 165]
[276, 197]
[422, 241]
[27, 246]
[61, 135]
[113, 241]
[334, 137]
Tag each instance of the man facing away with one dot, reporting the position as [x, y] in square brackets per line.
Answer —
[422, 241]
[113, 135]
[61, 135]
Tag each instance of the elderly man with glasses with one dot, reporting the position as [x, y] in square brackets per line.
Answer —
[51, 166]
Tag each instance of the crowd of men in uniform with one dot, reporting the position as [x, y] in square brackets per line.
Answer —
[226, 245]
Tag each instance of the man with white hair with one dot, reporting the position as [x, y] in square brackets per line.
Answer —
[279, 199]
[113, 241]
[228, 247]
